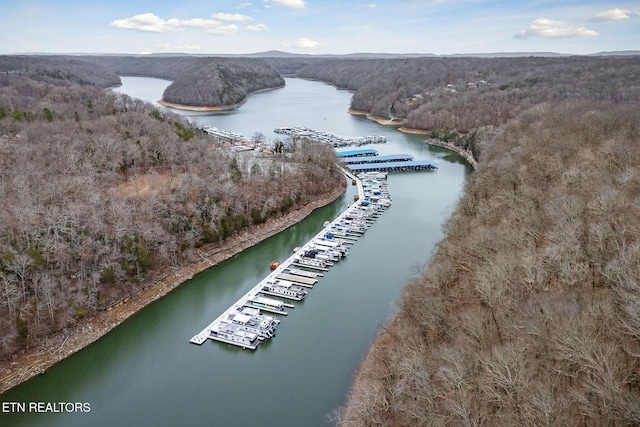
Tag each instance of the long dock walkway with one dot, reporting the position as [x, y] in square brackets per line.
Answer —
[292, 269]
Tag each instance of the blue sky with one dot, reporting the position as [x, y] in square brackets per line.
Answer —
[319, 26]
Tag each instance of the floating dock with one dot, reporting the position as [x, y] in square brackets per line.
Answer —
[300, 268]
[368, 160]
[368, 171]
[329, 138]
[224, 134]
[307, 281]
[356, 160]
[365, 152]
[391, 166]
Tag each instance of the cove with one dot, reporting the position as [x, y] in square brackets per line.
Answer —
[146, 373]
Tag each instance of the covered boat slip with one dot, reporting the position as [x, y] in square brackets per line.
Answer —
[358, 153]
[368, 160]
[415, 165]
[377, 159]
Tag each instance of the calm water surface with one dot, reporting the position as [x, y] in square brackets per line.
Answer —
[145, 373]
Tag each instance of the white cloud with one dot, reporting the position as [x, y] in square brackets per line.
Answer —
[307, 43]
[293, 4]
[243, 5]
[369, 5]
[144, 22]
[196, 22]
[152, 23]
[550, 29]
[256, 28]
[224, 30]
[612, 15]
[235, 17]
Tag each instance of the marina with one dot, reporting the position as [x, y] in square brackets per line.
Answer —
[329, 138]
[359, 160]
[245, 323]
[145, 372]
[224, 134]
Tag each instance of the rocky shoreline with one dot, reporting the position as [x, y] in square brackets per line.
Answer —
[37, 360]
[466, 154]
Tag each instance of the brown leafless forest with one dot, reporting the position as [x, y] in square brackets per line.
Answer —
[529, 311]
[457, 100]
[100, 192]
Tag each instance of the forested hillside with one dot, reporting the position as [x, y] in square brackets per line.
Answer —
[451, 98]
[101, 192]
[168, 68]
[466, 93]
[215, 82]
[529, 311]
[57, 70]
[197, 81]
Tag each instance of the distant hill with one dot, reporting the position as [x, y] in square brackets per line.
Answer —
[618, 53]
[58, 70]
[283, 54]
[508, 54]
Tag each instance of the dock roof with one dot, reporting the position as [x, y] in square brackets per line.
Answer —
[394, 166]
[379, 159]
[356, 153]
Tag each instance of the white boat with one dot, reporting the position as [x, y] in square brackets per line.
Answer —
[233, 334]
[317, 263]
[267, 304]
[357, 224]
[285, 289]
[345, 229]
[332, 245]
[330, 253]
[261, 325]
[316, 254]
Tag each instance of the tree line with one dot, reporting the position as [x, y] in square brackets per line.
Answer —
[196, 81]
[532, 316]
[199, 81]
[57, 70]
[451, 98]
[222, 82]
[101, 192]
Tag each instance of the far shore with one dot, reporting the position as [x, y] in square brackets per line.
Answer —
[36, 360]
[467, 155]
[201, 109]
[212, 109]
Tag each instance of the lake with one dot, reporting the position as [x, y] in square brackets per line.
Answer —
[146, 373]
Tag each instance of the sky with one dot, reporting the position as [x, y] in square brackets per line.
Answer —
[440, 27]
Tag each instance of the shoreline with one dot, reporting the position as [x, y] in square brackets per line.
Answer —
[216, 108]
[465, 154]
[36, 360]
